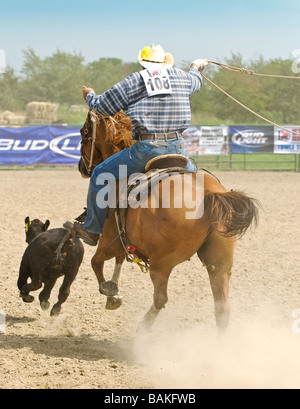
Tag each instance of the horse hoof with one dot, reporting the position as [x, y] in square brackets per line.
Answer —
[45, 305]
[55, 312]
[113, 303]
[109, 288]
[28, 298]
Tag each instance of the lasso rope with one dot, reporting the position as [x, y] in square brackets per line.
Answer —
[249, 72]
[252, 72]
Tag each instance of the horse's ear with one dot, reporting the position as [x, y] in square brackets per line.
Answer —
[46, 225]
[27, 220]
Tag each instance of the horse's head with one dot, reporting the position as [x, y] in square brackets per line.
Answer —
[90, 157]
[102, 137]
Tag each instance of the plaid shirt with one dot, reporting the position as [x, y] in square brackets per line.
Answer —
[155, 114]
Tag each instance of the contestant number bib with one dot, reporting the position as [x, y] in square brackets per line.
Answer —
[157, 82]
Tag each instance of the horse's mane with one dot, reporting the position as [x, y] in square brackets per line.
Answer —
[117, 130]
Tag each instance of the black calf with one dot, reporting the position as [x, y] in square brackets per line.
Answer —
[50, 254]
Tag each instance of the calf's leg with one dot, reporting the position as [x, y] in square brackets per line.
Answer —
[45, 294]
[36, 284]
[64, 291]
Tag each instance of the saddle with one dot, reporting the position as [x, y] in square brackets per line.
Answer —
[156, 170]
[166, 161]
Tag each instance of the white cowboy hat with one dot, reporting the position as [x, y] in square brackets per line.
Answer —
[154, 58]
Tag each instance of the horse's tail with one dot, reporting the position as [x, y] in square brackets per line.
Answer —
[230, 213]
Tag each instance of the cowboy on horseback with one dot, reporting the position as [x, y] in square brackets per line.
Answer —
[156, 100]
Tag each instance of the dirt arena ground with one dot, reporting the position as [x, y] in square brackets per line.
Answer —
[90, 347]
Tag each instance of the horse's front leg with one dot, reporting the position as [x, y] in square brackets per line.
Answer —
[115, 301]
[109, 288]
[98, 266]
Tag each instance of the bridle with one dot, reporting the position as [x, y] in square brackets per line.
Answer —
[87, 129]
[88, 163]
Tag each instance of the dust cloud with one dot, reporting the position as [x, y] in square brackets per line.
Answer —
[252, 355]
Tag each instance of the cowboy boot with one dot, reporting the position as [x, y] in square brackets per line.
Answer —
[77, 230]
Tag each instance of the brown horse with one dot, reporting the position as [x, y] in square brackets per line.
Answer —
[165, 235]
[116, 136]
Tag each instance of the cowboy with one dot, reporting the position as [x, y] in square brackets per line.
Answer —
[157, 101]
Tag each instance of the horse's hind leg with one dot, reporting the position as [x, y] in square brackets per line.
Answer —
[160, 278]
[217, 256]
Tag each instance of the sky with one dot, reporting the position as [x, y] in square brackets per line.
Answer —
[188, 29]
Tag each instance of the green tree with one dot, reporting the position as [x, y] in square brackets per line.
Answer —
[106, 72]
[282, 95]
[247, 89]
[9, 91]
[58, 78]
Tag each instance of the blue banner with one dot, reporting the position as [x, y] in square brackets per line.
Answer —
[47, 145]
[251, 139]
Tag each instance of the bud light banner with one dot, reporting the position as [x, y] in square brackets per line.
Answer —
[47, 145]
[251, 139]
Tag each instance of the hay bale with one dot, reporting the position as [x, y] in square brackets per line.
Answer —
[6, 114]
[41, 112]
[3, 122]
[16, 119]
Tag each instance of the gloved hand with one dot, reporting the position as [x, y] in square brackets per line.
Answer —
[86, 91]
[200, 64]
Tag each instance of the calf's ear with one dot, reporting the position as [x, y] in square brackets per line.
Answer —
[46, 225]
[27, 224]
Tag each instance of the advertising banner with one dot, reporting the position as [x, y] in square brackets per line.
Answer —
[287, 142]
[251, 139]
[206, 140]
[47, 145]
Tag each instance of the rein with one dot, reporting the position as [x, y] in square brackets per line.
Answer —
[252, 73]
[95, 120]
[88, 162]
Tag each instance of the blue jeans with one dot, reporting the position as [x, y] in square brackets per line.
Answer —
[135, 158]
